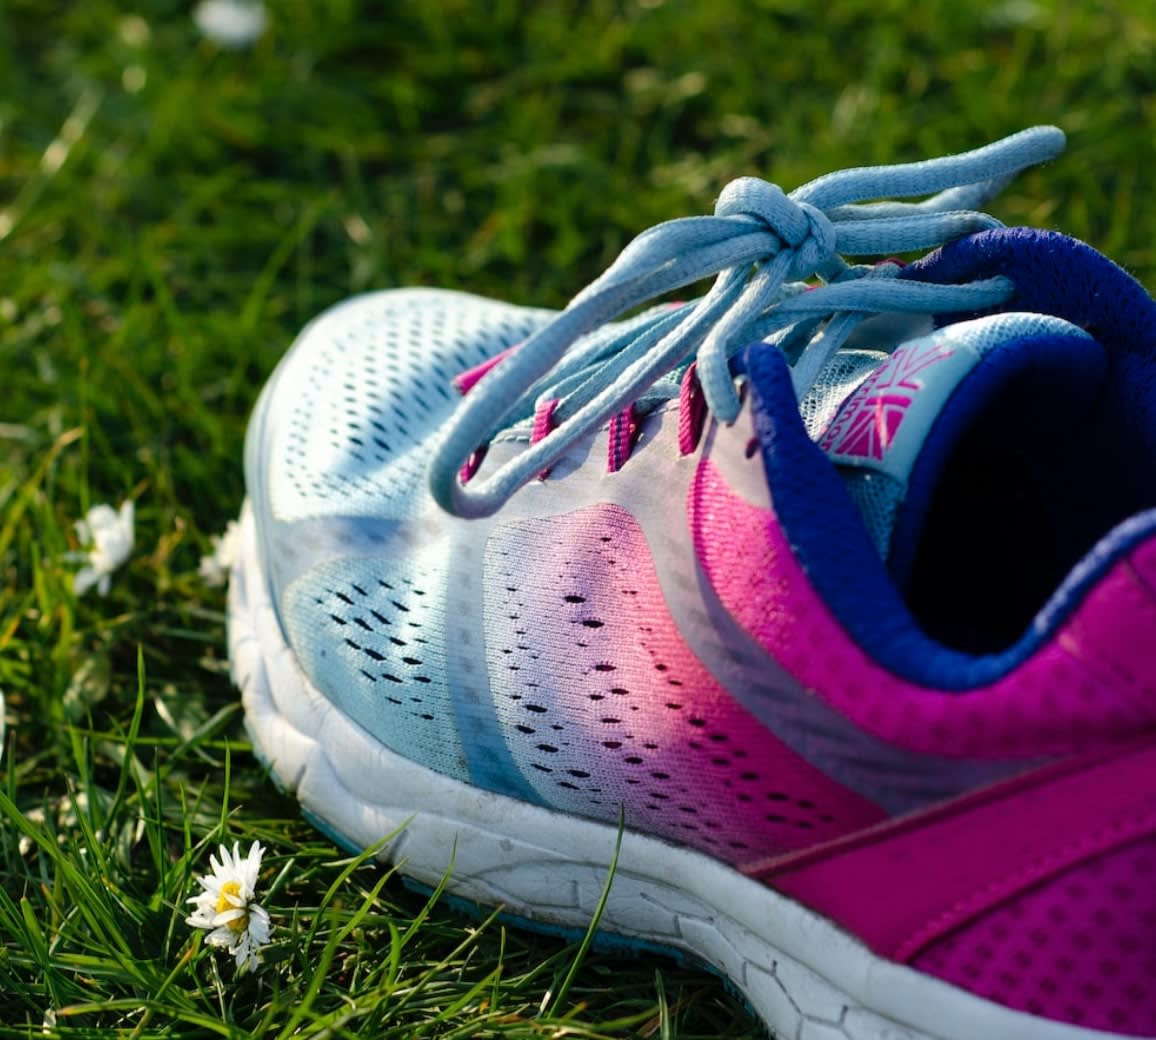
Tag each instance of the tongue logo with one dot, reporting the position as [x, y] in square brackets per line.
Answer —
[869, 419]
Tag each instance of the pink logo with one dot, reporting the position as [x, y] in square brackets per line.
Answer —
[869, 419]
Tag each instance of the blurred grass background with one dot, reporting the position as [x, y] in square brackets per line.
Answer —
[171, 213]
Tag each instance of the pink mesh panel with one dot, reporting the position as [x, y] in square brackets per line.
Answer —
[603, 704]
[1080, 949]
[1095, 682]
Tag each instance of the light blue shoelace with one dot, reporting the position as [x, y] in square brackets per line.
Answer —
[762, 244]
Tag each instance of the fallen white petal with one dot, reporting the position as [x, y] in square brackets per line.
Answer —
[231, 23]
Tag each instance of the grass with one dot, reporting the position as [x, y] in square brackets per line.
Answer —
[171, 214]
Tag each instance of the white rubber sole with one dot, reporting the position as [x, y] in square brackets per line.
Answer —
[804, 976]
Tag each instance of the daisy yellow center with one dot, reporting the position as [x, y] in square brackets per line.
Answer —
[231, 888]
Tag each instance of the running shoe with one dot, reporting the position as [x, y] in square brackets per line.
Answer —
[828, 599]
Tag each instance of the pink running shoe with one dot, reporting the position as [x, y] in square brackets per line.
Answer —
[837, 587]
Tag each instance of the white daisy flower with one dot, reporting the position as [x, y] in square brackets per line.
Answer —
[231, 23]
[225, 906]
[108, 533]
[215, 567]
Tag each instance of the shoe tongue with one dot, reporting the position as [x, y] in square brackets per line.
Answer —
[889, 421]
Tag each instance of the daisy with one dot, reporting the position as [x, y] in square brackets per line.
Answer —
[215, 567]
[108, 533]
[225, 906]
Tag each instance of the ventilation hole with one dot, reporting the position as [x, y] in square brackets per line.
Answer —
[592, 623]
[548, 748]
[525, 729]
[572, 598]
[536, 708]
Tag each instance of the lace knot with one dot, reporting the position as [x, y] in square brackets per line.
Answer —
[802, 228]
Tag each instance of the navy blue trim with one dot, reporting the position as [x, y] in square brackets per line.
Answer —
[1053, 274]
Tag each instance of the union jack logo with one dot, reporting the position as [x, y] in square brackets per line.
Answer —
[869, 419]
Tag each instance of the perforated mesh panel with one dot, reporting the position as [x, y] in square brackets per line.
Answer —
[1080, 949]
[364, 389]
[604, 705]
[371, 634]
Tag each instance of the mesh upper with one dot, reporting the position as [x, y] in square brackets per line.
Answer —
[363, 389]
[1080, 949]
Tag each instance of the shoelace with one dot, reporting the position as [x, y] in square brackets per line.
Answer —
[576, 373]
